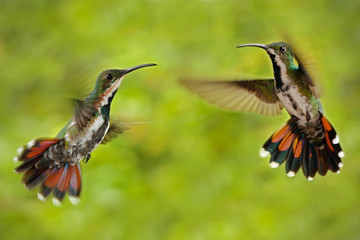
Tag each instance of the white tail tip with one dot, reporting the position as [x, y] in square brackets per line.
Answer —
[264, 153]
[30, 143]
[56, 202]
[74, 200]
[20, 150]
[274, 164]
[291, 174]
[336, 140]
[41, 197]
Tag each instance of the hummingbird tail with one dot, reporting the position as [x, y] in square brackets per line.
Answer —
[292, 145]
[59, 181]
[53, 179]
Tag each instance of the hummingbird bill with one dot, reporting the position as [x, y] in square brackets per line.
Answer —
[54, 163]
[307, 140]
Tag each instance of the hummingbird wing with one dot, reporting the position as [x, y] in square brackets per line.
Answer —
[84, 112]
[307, 78]
[302, 69]
[115, 129]
[257, 96]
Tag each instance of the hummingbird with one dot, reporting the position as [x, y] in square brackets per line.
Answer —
[54, 163]
[307, 140]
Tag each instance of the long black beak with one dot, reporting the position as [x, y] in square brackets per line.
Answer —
[139, 66]
[263, 46]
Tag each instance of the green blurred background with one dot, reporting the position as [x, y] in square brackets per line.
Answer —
[193, 171]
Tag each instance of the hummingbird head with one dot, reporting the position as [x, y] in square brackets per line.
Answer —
[279, 52]
[108, 81]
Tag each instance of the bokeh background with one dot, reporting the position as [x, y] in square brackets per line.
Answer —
[190, 170]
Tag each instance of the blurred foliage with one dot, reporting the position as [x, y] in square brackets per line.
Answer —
[192, 171]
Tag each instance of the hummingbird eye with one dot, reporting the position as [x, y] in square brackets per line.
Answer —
[282, 49]
[109, 76]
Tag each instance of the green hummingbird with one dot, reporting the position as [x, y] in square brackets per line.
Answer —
[54, 163]
[307, 140]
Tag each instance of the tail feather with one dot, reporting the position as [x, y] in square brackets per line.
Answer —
[33, 152]
[60, 181]
[312, 162]
[42, 163]
[75, 183]
[33, 177]
[63, 184]
[50, 182]
[27, 165]
[273, 142]
[293, 161]
[292, 145]
[323, 165]
[334, 162]
[309, 159]
[38, 170]
[34, 149]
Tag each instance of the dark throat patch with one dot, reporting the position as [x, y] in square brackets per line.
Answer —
[277, 72]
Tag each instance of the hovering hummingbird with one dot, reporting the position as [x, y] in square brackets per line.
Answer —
[54, 163]
[307, 140]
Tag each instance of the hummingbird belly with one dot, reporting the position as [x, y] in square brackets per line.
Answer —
[73, 149]
[296, 103]
[92, 137]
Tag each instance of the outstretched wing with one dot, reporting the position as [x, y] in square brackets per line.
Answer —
[257, 96]
[115, 129]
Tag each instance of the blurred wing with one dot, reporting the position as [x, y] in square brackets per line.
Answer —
[307, 77]
[302, 69]
[83, 114]
[256, 96]
[115, 129]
